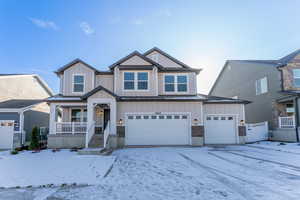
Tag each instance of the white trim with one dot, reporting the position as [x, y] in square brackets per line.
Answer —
[135, 81]
[236, 116]
[84, 82]
[161, 113]
[176, 83]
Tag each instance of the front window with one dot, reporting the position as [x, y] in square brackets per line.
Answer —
[135, 80]
[176, 83]
[78, 83]
[296, 75]
[79, 115]
[129, 80]
[261, 86]
[142, 81]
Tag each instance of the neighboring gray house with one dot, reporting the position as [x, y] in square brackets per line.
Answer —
[273, 87]
[22, 103]
[142, 99]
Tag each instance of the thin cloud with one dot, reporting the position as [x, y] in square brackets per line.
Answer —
[164, 13]
[44, 24]
[114, 20]
[86, 28]
[137, 22]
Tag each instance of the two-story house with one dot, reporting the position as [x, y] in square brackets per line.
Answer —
[142, 99]
[273, 87]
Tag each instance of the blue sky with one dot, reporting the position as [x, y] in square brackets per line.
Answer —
[40, 36]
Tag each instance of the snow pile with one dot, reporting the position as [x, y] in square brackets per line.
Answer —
[47, 167]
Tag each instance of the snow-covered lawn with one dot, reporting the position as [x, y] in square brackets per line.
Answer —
[47, 167]
[257, 171]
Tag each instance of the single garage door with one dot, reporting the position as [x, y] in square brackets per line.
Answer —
[157, 129]
[220, 129]
[6, 134]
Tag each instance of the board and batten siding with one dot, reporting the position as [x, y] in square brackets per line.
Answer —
[162, 60]
[192, 84]
[152, 89]
[106, 81]
[195, 108]
[135, 60]
[21, 87]
[226, 109]
[79, 68]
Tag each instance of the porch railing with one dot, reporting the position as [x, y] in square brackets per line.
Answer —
[71, 127]
[287, 122]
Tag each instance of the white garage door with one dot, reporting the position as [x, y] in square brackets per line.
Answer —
[220, 129]
[157, 129]
[6, 134]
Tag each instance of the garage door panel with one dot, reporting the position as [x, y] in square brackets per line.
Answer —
[220, 129]
[157, 130]
[6, 134]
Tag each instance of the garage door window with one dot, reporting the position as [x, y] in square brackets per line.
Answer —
[208, 118]
[161, 117]
[223, 118]
[230, 118]
[216, 118]
[153, 117]
[169, 116]
[146, 117]
[138, 117]
[176, 117]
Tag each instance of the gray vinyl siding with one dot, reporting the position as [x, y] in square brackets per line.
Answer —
[34, 118]
[239, 80]
[11, 116]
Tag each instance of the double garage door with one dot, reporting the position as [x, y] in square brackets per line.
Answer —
[175, 129]
[157, 129]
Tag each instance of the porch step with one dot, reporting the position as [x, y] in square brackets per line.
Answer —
[96, 141]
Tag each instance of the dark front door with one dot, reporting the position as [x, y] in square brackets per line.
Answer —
[106, 117]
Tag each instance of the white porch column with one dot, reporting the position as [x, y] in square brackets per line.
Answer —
[113, 117]
[52, 118]
[21, 127]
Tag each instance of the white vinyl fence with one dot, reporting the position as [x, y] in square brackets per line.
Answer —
[257, 132]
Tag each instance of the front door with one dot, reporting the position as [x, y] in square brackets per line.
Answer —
[106, 117]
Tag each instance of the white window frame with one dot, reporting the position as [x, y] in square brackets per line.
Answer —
[176, 83]
[295, 77]
[259, 81]
[135, 82]
[73, 76]
[81, 115]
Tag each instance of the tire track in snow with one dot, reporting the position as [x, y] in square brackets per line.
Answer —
[284, 174]
[225, 181]
[297, 168]
[277, 150]
[219, 175]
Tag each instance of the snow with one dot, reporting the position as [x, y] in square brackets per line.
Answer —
[47, 167]
[265, 170]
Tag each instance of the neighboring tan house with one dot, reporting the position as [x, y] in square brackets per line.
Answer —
[142, 99]
[273, 87]
[22, 107]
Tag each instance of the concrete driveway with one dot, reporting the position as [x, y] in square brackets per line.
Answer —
[233, 172]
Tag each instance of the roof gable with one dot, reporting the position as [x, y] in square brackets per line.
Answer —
[135, 58]
[97, 89]
[72, 63]
[165, 59]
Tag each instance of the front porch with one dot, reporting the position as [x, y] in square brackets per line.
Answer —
[80, 124]
[285, 120]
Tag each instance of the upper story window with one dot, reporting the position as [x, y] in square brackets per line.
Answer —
[135, 80]
[261, 86]
[175, 83]
[78, 83]
[296, 77]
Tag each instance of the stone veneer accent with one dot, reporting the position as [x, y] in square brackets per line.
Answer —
[287, 75]
[242, 130]
[197, 131]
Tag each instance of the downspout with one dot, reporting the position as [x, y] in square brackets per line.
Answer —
[296, 117]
